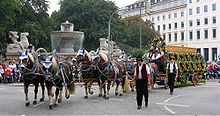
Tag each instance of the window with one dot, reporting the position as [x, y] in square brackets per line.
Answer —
[190, 35]
[198, 34]
[190, 1]
[198, 22]
[158, 18]
[169, 37]
[164, 36]
[214, 20]
[175, 25]
[164, 17]
[182, 36]
[190, 23]
[198, 10]
[169, 26]
[214, 33]
[175, 37]
[214, 7]
[158, 27]
[206, 21]
[164, 27]
[206, 54]
[182, 13]
[206, 33]
[152, 19]
[175, 15]
[206, 8]
[214, 53]
[169, 16]
[190, 11]
[182, 24]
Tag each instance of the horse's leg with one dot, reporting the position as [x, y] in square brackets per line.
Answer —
[27, 103]
[35, 93]
[50, 94]
[108, 89]
[60, 99]
[100, 83]
[56, 96]
[90, 85]
[122, 81]
[43, 91]
[86, 89]
[117, 86]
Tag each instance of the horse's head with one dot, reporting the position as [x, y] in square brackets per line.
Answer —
[82, 55]
[26, 59]
[98, 58]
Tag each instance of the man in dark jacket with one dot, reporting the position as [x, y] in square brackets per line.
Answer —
[141, 74]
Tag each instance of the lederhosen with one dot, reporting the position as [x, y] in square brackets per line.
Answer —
[141, 85]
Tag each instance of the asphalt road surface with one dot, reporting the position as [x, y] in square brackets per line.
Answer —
[194, 100]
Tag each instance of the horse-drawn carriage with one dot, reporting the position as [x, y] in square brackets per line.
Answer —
[190, 64]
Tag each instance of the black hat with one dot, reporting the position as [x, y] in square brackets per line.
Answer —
[139, 59]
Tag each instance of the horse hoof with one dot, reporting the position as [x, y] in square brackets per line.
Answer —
[68, 96]
[124, 91]
[91, 92]
[116, 94]
[27, 104]
[106, 97]
[85, 97]
[132, 90]
[55, 105]
[51, 107]
[41, 99]
[100, 95]
[34, 102]
[120, 94]
[59, 100]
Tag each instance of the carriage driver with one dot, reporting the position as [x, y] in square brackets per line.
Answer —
[141, 74]
[171, 73]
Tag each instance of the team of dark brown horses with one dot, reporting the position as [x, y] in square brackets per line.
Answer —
[51, 71]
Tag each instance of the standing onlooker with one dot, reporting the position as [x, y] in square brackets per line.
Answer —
[141, 74]
[171, 74]
[1, 73]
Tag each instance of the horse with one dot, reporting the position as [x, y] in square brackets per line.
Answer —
[58, 74]
[110, 71]
[89, 73]
[32, 74]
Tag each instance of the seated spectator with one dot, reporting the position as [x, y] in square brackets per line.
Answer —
[7, 75]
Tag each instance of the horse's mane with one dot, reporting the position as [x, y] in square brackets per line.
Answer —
[31, 57]
[104, 57]
[88, 55]
[54, 63]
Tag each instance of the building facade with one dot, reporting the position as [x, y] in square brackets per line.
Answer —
[193, 23]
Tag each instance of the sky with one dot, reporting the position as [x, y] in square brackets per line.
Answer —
[54, 4]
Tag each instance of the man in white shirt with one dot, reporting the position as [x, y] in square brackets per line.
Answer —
[171, 74]
[142, 75]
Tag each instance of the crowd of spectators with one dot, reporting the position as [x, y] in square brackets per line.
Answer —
[212, 70]
[9, 72]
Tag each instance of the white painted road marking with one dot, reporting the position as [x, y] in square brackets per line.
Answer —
[169, 110]
[116, 99]
[179, 105]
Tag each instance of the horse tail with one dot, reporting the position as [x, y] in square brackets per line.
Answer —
[71, 87]
[126, 85]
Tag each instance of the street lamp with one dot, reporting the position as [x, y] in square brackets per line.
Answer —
[109, 34]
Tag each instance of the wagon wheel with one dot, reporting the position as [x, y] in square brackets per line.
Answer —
[196, 78]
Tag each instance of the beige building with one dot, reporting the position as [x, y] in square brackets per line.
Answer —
[193, 23]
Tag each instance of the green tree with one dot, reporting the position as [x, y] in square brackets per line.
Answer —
[9, 10]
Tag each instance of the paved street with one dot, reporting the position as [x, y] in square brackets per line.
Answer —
[199, 100]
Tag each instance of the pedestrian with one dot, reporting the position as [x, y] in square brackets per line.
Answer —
[141, 74]
[171, 73]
